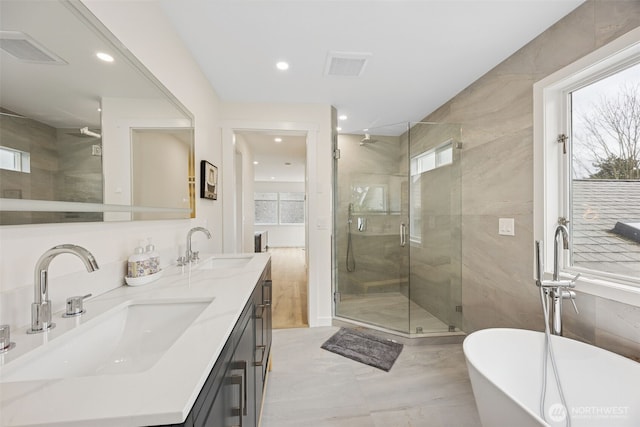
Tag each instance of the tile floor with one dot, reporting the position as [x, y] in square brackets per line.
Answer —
[312, 387]
[389, 310]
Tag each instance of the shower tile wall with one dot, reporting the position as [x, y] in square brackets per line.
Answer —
[496, 115]
[58, 158]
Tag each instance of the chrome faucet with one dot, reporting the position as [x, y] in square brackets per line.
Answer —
[561, 230]
[556, 289]
[41, 307]
[189, 255]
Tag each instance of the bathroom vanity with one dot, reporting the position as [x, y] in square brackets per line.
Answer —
[191, 349]
[232, 394]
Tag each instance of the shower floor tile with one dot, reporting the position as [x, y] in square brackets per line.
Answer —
[308, 386]
[389, 310]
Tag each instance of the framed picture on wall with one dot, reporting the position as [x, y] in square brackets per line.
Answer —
[208, 181]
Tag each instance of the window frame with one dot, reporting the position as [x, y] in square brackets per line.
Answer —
[21, 160]
[551, 167]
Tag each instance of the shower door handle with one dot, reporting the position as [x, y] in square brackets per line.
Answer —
[403, 235]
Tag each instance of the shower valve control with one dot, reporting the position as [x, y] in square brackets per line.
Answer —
[506, 227]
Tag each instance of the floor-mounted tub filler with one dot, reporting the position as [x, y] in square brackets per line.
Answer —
[601, 388]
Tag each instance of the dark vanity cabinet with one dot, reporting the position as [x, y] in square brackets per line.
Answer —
[263, 331]
[232, 394]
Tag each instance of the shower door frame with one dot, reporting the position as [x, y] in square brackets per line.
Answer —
[395, 212]
[453, 316]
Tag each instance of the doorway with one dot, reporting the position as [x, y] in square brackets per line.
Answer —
[273, 192]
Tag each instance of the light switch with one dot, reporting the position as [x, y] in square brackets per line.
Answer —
[506, 227]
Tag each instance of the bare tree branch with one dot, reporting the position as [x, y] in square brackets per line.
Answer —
[612, 136]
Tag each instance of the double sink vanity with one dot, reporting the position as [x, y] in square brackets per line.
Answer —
[190, 349]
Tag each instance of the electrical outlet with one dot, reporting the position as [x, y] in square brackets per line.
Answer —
[506, 227]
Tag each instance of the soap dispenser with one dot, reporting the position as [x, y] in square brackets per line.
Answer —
[154, 257]
[138, 263]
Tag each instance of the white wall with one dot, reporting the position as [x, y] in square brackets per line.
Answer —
[282, 236]
[142, 27]
[316, 120]
[244, 190]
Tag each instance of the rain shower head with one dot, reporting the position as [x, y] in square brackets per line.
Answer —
[366, 140]
[84, 132]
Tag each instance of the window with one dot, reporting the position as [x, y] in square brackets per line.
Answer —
[587, 163]
[279, 208]
[266, 206]
[15, 160]
[291, 208]
[603, 173]
[431, 159]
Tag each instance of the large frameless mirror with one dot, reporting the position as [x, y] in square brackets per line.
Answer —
[87, 133]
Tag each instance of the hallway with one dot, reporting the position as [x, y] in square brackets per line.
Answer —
[289, 299]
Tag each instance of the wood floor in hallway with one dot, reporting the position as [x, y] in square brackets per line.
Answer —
[289, 298]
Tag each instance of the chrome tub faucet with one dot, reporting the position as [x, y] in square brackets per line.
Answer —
[556, 289]
[41, 307]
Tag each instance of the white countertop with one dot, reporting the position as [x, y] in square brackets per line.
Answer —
[163, 394]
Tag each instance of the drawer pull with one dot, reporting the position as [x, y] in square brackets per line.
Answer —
[263, 348]
[237, 411]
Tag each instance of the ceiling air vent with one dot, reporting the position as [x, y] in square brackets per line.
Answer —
[25, 48]
[346, 64]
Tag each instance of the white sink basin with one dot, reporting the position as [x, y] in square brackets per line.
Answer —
[226, 262]
[130, 338]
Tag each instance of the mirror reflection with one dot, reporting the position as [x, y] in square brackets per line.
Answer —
[86, 132]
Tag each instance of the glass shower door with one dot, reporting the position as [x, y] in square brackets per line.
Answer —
[372, 228]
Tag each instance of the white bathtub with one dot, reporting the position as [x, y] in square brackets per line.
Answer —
[602, 389]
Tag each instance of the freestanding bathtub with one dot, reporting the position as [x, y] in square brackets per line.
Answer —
[602, 389]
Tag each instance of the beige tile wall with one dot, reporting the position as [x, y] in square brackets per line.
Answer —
[496, 115]
[62, 168]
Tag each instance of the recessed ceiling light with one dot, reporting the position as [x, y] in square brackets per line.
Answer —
[255, 162]
[365, 130]
[338, 128]
[282, 66]
[278, 139]
[104, 56]
[273, 177]
[342, 117]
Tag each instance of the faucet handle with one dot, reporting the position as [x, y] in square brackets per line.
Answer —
[5, 339]
[575, 279]
[75, 305]
[571, 296]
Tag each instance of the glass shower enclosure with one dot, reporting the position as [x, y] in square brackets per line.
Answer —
[397, 248]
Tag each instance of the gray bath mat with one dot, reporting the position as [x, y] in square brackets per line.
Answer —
[364, 348]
